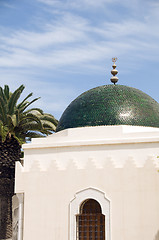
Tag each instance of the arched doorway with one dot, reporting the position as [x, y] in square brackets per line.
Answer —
[90, 221]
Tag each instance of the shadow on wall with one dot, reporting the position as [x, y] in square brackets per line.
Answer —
[157, 236]
[15, 214]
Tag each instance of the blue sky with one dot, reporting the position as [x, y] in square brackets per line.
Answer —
[61, 48]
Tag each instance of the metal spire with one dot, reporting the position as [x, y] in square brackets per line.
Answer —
[114, 72]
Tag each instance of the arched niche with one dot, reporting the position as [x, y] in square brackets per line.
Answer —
[77, 204]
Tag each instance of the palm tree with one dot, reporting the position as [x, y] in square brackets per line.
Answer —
[18, 124]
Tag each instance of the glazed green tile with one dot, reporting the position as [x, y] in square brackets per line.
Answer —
[111, 105]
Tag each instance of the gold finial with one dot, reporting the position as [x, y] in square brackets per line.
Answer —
[114, 59]
[114, 72]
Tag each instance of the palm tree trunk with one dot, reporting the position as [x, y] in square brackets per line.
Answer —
[10, 151]
[6, 193]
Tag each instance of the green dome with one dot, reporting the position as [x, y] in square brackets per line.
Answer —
[111, 105]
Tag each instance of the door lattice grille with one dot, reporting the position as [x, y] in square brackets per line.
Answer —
[90, 226]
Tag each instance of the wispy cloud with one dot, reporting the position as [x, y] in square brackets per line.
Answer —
[74, 40]
[85, 4]
[70, 37]
[7, 5]
[74, 3]
[68, 30]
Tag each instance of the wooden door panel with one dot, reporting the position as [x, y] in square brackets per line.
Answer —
[90, 226]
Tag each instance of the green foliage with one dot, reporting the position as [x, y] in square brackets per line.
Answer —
[17, 121]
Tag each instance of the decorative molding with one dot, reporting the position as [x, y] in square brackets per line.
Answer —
[81, 196]
[89, 163]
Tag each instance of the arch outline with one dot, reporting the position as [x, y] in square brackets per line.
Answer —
[75, 204]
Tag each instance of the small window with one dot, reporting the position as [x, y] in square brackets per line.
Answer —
[90, 221]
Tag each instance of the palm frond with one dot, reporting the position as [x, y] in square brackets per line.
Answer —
[33, 134]
[3, 109]
[17, 113]
[10, 122]
[14, 98]
[3, 131]
[50, 118]
[35, 110]
[48, 125]
[31, 126]
[3, 95]
[30, 118]
[19, 121]
[6, 91]
[29, 103]
[21, 104]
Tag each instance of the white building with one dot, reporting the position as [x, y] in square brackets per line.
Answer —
[97, 177]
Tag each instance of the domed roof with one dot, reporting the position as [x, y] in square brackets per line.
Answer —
[111, 105]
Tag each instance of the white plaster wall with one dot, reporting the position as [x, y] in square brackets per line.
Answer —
[119, 161]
